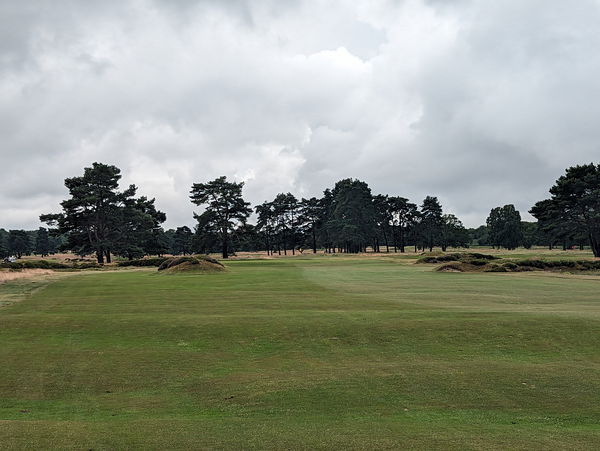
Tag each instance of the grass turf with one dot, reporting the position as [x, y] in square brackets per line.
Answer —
[304, 353]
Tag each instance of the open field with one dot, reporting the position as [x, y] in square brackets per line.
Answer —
[311, 352]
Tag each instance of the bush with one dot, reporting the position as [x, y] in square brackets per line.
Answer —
[539, 264]
[86, 265]
[189, 261]
[152, 261]
[453, 267]
[495, 268]
[465, 257]
[35, 264]
[170, 262]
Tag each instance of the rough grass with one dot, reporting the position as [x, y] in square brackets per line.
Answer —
[468, 264]
[197, 264]
[305, 353]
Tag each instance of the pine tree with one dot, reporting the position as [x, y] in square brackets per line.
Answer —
[224, 201]
[42, 242]
[99, 219]
[431, 221]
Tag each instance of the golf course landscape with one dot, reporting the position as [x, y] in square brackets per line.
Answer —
[305, 352]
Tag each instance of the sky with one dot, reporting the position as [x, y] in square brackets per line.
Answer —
[481, 103]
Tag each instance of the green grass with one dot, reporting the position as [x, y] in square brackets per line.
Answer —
[303, 353]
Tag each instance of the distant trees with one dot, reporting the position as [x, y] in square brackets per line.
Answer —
[453, 233]
[404, 215]
[504, 224]
[530, 234]
[312, 215]
[4, 250]
[99, 219]
[225, 207]
[42, 242]
[431, 221]
[573, 210]
[352, 220]
[136, 225]
[182, 241]
[284, 209]
[18, 243]
[349, 218]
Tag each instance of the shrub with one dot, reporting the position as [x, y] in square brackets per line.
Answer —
[465, 257]
[495, 268]
[540, 264]
[452, 267]
[152, 261]
[203, 261]
[35, 264]
[86, 265]
[482, 256]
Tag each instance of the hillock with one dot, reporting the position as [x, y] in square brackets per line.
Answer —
[201, 264]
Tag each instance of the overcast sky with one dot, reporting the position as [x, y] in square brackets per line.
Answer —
[481, 103]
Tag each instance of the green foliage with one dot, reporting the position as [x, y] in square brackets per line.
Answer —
[151, 261]
[573, 211]
[505, 228]
[474, 258]
[203, 262]
[480, 236]
[19, 243]
[431, 222]
[496, 268]
[42, 242]
[404, 220]
[35, 264]
[468, 262]
[225, 207]
[99, 219]
[4, 249]
[453, 233]
[352, 219]
[182, 241]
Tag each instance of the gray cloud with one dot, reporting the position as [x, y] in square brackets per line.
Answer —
[481, 103]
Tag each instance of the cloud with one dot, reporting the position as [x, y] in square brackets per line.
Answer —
[481, 103]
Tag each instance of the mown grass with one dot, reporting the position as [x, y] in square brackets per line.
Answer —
[303, 353]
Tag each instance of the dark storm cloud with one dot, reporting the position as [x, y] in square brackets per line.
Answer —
[481, 103]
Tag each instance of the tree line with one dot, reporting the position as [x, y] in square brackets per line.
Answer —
[98, 218]
[26, 242]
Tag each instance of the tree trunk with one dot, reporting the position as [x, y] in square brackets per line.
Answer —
[108, 259]
[595, 244]
[314, 237]
[100, 257]
[224, 246]
[403, 241]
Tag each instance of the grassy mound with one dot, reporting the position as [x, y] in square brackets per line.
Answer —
[478, 265]
[473, 258]
[191, 264]
[151, 261]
